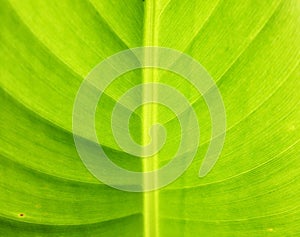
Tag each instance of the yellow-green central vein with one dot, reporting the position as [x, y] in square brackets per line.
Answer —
[150, 199]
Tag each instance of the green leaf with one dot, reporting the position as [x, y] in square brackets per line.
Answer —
[250, 48]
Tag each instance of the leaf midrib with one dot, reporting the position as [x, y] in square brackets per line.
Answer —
[149, 113]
